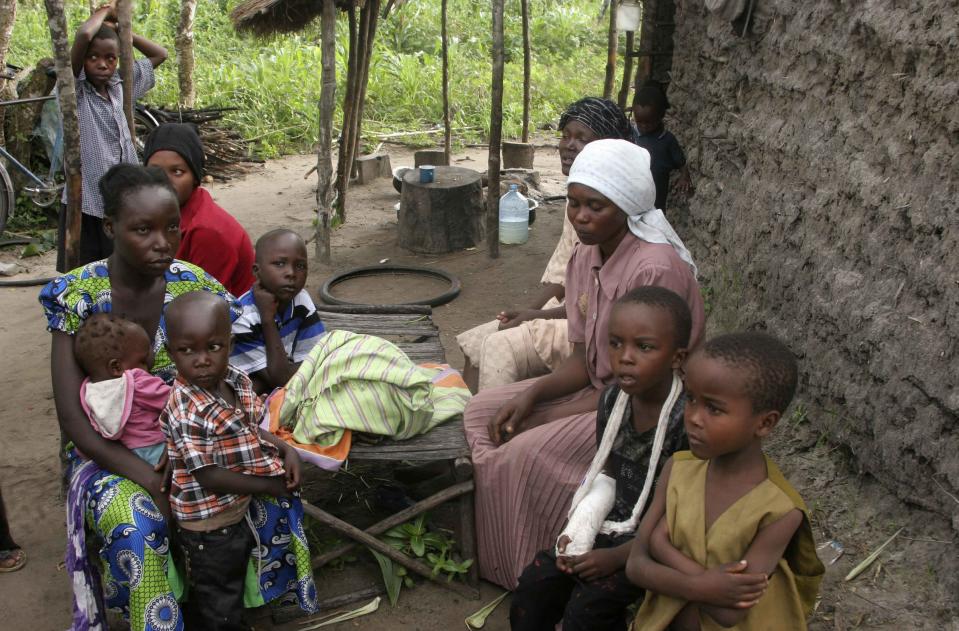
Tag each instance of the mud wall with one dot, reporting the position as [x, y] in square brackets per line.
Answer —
[825, 149]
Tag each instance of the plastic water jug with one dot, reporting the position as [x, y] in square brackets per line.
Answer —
[513, 217]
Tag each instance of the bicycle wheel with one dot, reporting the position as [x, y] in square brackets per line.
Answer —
[144, 123]
[7, 198]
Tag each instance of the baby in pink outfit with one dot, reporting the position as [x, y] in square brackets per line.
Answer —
[122, 400]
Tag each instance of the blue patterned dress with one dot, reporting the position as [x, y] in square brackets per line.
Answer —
[135, 574]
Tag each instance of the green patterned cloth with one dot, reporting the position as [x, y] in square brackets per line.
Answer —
[365, 384]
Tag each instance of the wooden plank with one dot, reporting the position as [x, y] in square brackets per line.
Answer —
[375, 309]
[446, 442]
[385, 549]
[464, 489]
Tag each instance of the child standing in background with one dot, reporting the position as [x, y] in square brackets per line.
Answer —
[122, 400]
[105, 138]
[649, 108]
[233, 489]
[727, 541]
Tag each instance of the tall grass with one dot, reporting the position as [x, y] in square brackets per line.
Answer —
[275, 83]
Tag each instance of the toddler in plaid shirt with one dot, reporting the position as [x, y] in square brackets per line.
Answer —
[220, 460]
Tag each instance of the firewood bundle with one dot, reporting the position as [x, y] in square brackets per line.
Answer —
[226, 151]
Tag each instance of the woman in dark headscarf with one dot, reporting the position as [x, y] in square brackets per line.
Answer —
[211, 237]
[524, 343]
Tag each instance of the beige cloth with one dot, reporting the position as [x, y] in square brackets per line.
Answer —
[556, 268]
[531, 349]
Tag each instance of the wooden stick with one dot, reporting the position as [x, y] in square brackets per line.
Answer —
[495, 133]
[69, 255]
[125, 28]
[447, 129]
[385, 549]
[343, 159]
[324, 163]
[627, 71]
[527, 69]
[612, 42]
[401, 517]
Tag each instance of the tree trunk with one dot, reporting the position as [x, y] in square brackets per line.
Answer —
[611, 45]
[125, 28]
[67, 95]
[324, 162]
[184, 53]
[495, 133]
[627, 71]
[447, 124]
[527, 69]
[8, 14]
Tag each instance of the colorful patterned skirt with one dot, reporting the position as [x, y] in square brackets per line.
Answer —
[118, 553]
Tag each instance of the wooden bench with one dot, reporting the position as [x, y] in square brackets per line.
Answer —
[412, 329]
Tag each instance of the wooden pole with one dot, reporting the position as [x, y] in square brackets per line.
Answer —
[344, 163]
[324, 162]
[495, 133]
[527, 69]
[184, 53]
[67, 96]
[364, 78]
[627, 71]
[125, 28]
[447, 124]
[644, 66]
[8, 15]
[612, 42]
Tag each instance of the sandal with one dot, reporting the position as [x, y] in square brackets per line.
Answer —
[12, 560]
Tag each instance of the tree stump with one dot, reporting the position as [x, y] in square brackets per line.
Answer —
[372, 167]
[434, 157]
[518, 155]
[443, 216]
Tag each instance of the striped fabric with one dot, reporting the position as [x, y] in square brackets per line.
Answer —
[366, 384]
[300, 328]
[524, 487]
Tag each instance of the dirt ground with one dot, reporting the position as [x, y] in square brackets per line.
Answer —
[913, 585]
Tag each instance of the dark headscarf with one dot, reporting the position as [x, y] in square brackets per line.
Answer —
[603, 116]
[181, 138]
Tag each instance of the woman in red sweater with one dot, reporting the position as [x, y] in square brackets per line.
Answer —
[211, 237]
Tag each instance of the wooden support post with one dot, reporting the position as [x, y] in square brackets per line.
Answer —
[612, 42]
[8, 15]
[69, 254]
[373, 6]
[447, 125]
[495, 133]
[125, 28]
[324, 163]
[527, 69]
[183, 43]
[647, 36]
[627, 71]
[344, 157]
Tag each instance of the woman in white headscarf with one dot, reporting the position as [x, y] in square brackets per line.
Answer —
[531, 452]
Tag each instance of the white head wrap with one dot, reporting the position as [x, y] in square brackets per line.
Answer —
[619, 170]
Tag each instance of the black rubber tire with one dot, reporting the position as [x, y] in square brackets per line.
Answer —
[26, 282]
[379, 270]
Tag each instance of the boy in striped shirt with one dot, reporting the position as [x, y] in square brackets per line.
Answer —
[270, 354]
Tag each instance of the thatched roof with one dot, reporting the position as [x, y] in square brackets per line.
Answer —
[271, 17]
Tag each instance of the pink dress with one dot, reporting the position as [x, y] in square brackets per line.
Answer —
[524, 487]
[128, 409]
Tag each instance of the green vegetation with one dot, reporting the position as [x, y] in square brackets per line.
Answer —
[276, 83]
